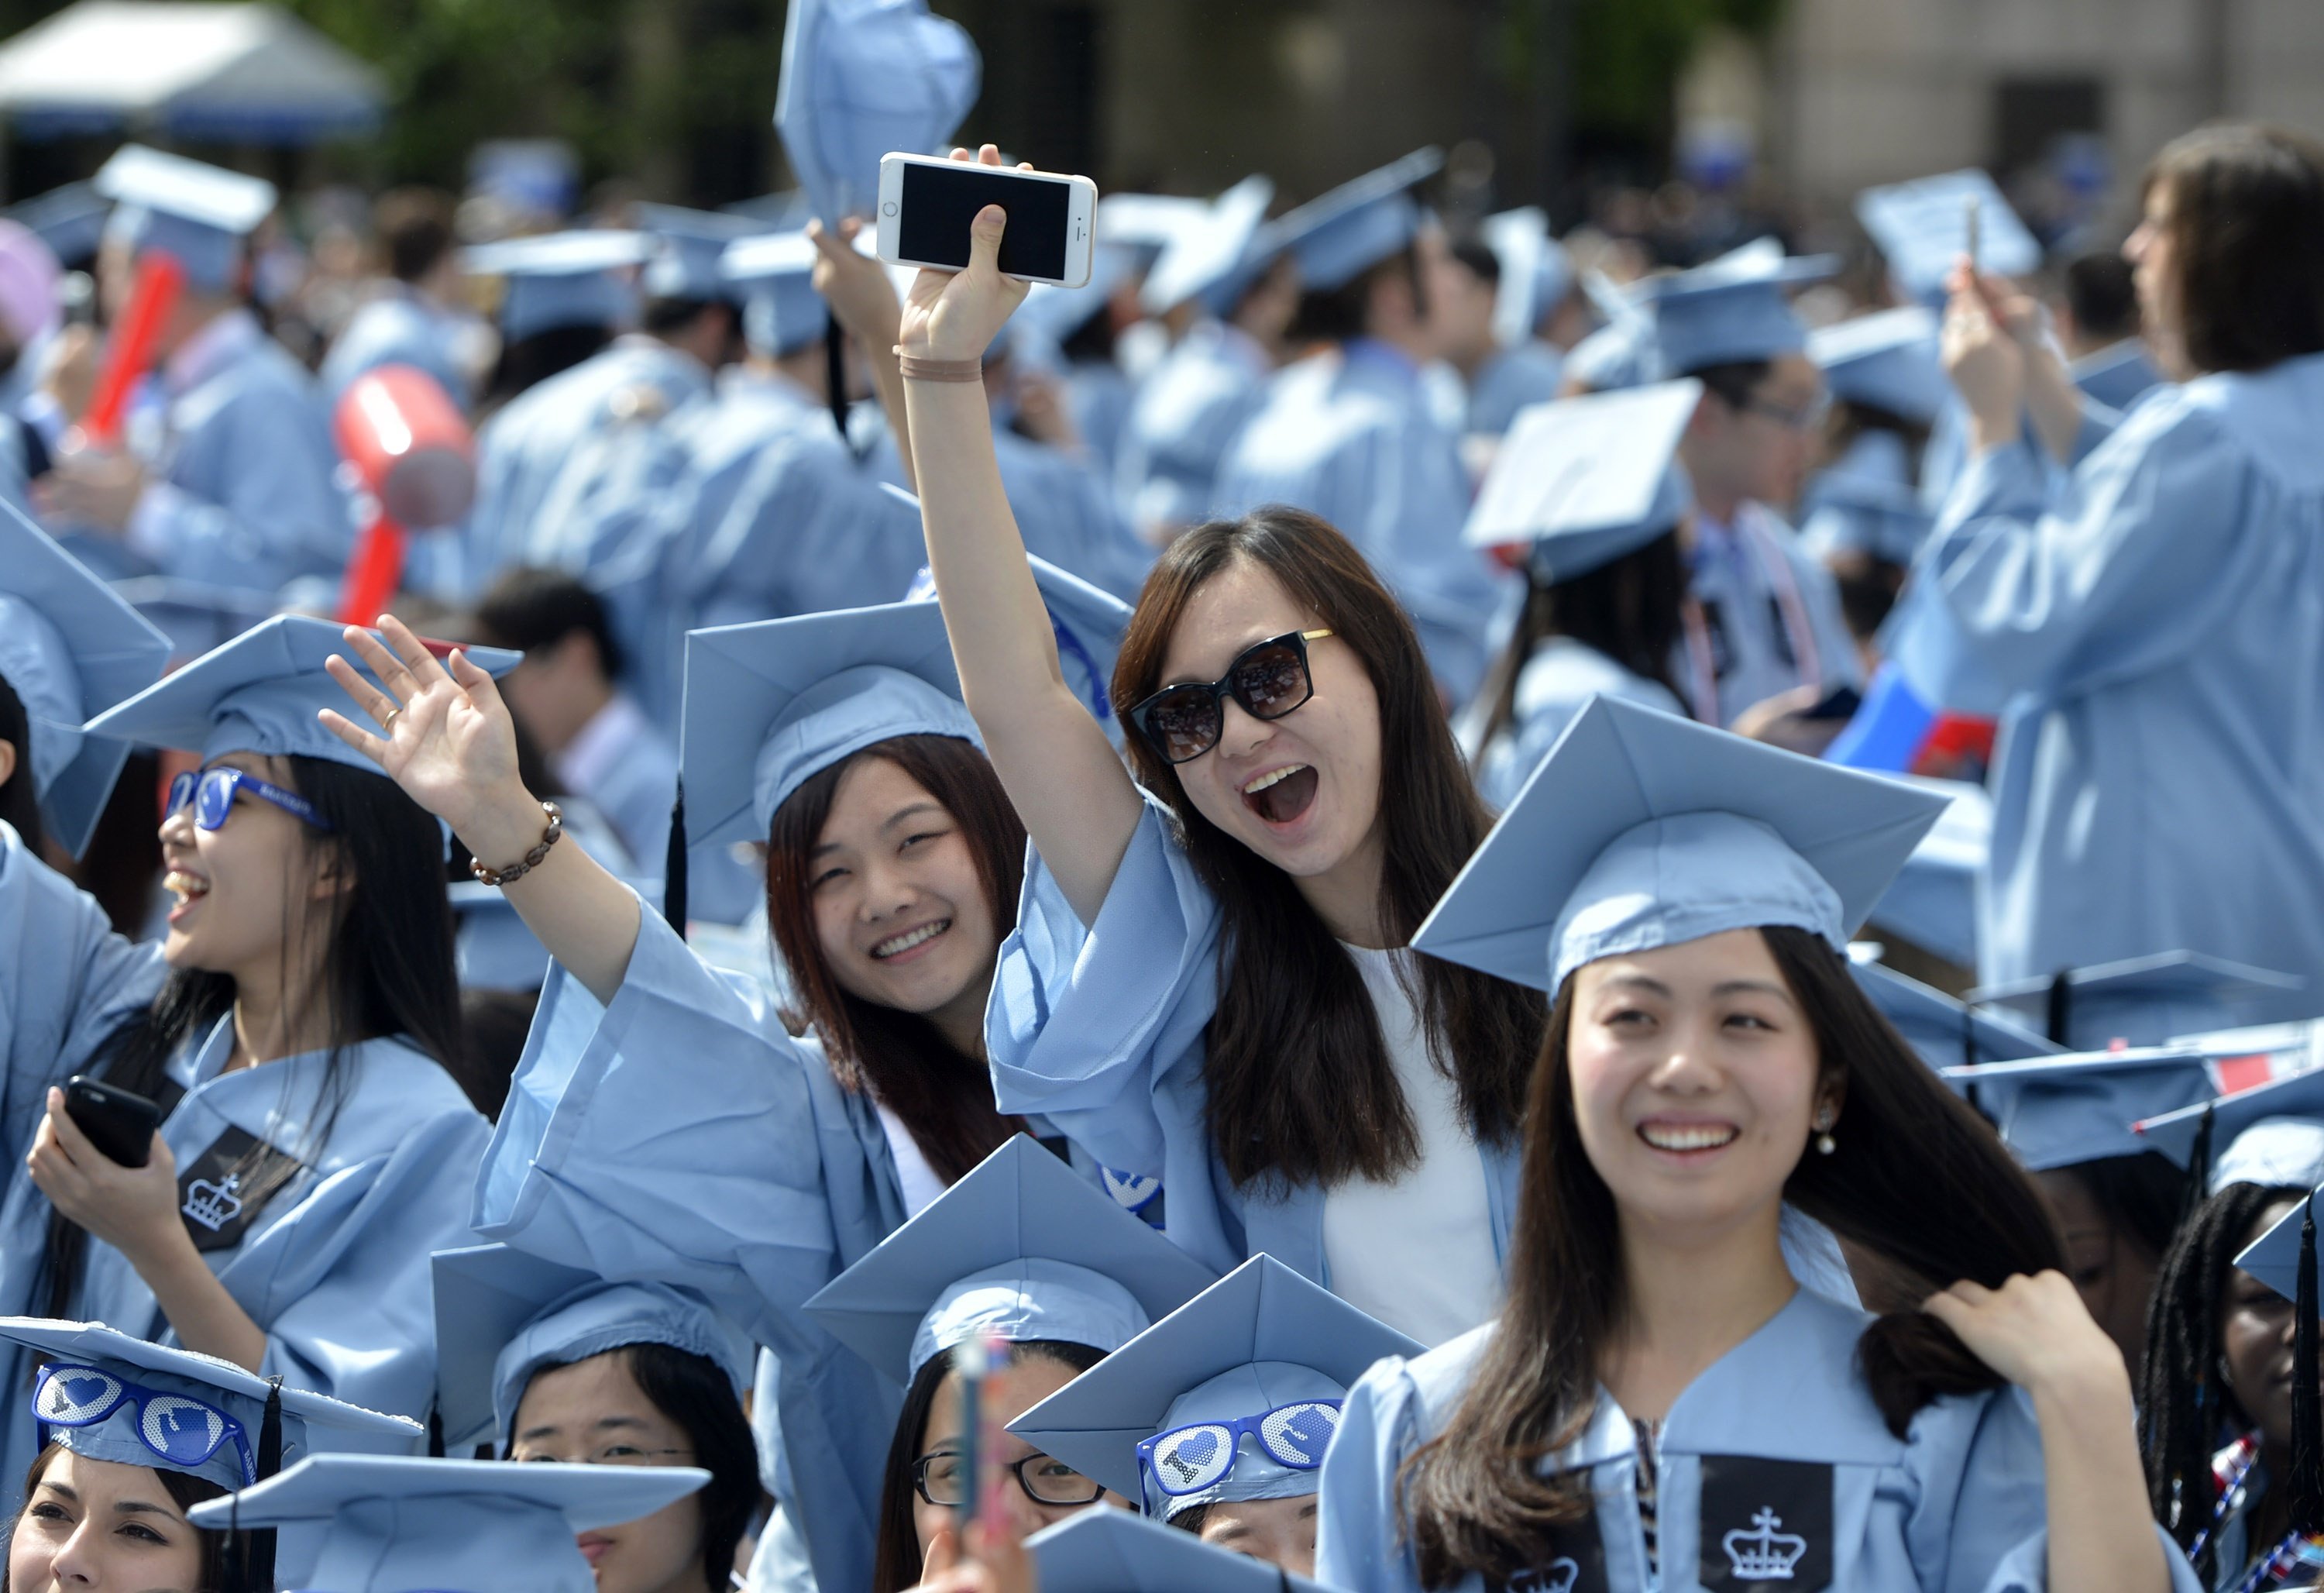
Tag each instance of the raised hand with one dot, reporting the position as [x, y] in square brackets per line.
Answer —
[956, 314]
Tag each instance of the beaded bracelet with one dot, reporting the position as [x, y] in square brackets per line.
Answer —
[532, 859]
[916, 368]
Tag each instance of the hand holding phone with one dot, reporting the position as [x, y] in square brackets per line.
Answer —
[119, 1123]
[927, 205]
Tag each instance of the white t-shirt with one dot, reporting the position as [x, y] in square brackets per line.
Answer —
[1417, 1253]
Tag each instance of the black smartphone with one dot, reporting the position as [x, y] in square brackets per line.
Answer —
[119, 1121]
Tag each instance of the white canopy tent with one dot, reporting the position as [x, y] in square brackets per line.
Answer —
[242, 73]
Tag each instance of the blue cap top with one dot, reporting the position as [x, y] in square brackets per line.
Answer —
[197, 213]
[1586, 480]
[2058, 1111]
[2274, 1258]
[1735, 308]
[1258, 1338]
[98, 1372]
[2285, 1119]
[399, 1524]
[1358, 224]
[69, 649]
[1021, 1248]
[686, 264]
[502, 1315]
[1641, 829]
[2146, 1000]
[1922, 230]
[1947, 1032]
[565, 279]
[1536, 273]
[258, 693]
[861, 78]
[774, 272]
[1888, 360]
[1216, 257]
[1103, 1551]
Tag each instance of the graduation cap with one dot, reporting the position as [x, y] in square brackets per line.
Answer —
[1888, 361]
[584, 278]
[1536, 273]
[1643, 830]
[1737, 308]
[1258, 1340]
[1213, 256]
[774, 273]
[1921, 229]
[69, 648]
[861, 78]
[393, 1523]
[69, 219]
[2145, 1000]
[691, 244]
[1022, 1248]
[2271, 1133]
[1358, 224]
[1586, 480]
[2058, 1111]
[1950, 1034]
[197, 213]
[1103, 1551]
[502, 1315]
[258, 693]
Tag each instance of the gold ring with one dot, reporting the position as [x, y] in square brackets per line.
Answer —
[387, 725]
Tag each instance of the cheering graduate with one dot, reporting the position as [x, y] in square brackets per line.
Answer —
[892, 861]
[1661, 1404]
[313, 1146]
[234, 484]
[547, 1364]
[2149, 628]
[135, 1436]
[69, 649]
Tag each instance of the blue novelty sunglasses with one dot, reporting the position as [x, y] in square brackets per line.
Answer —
[211, 792]
[185, 1432]
[1188, 1459]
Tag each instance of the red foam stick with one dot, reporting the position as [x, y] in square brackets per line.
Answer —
[129, 351]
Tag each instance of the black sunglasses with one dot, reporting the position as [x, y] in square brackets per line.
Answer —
[1269, 678]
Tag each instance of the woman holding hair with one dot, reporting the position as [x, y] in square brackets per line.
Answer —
[2151, 628]
[1661, 1404]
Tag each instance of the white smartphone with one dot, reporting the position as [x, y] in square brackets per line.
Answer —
[926, 204]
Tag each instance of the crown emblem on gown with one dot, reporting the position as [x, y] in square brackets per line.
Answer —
[1765, 1555]
[214, 1204]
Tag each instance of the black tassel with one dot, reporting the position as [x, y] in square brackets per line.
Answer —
[2304, 1489]
[834, 377]
[2062, 1002]
[673, 866]
[2198, 1169]
[260, 1563]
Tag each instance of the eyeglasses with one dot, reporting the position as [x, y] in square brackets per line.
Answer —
[211, 794]
[611, 1455]
[1188, 1460]
[1807, 417]
[943, 1479]
[1269, 678]
[185, 1432]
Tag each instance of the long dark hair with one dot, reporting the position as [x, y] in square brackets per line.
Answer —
[1299, 1079]
[388, 970]
[896, 1566]
[1630, 608]
[20, 797]
[2184, 1406]
[900, 1058]
[2246, 223]
[1917, 1180]
[185, 1490]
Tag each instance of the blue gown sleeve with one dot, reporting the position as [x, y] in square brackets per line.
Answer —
[1359, 1545]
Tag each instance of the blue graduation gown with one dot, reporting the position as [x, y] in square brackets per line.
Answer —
[1557, 684]
[1761, 639]
[2151, 630]
[1185, 416]
[1350, 436]
[1774, 1461]
[400, 327]
[1528, 373]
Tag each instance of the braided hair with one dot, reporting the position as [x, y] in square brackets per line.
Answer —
[2183, 1403]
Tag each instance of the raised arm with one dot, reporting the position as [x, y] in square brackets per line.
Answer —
[449, 743]
[1077, 800]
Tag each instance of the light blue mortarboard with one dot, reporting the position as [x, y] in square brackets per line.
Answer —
[1103, 1551]
[258, 693]
[197, 213]
[861, 78]
[1888, 360]
[69, 649]
[1641, 829]
[2148, 1000]
[565, 279]
[1022, 1248]
[1216, 257]
[1921, 229]
[775, 275]
[115, 1358]
[1733, 309]
[397, 1524]
[686, 265]
[1259, 1339]
[1358, 224]
[1536, 273]
[1586, 480]
[502, 1315]
[2055, 1112]
[1947, 1032]
[2271, 1133]
[2274, 1258]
